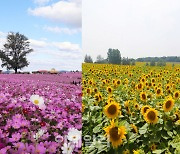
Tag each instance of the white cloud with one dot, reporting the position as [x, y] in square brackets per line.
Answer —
[37, 43]
[67, 12]
[47, 55]
[66, 46]
[56, 29]
[2, 34]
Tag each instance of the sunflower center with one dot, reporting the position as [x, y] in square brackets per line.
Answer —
[176, 95]
[114, 133]
[151, 115]
[158, 91]
[36, 102]
[88, 91]
[143, 96]
[139, 86]
[109, 89]
[168, 104]
[112, 109]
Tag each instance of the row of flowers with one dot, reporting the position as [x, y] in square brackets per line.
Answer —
[137, 109]
[40, 114]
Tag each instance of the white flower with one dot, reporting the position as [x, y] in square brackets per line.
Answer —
[39, 101]
[74, 135]
[67, 148]
[39, 134]
[59, 139]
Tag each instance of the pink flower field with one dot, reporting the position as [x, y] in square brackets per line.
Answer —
[40, 114]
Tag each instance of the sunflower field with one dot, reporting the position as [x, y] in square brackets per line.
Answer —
[131, 109]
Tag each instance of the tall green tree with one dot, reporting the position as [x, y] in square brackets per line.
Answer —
[15, 50]
[114, 56]
[88, 59]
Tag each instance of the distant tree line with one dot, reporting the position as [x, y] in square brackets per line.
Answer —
[159, 59]
[114, 57]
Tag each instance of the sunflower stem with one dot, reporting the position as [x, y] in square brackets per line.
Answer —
[116, 151]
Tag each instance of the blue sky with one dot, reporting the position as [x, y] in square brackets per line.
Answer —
[53, 28]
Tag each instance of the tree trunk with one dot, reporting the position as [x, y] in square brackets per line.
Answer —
[15, 70]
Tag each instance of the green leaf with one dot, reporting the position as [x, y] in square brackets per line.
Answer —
[132, 138]
[97, 129]
[156, 137]
[161, 121]
[170, 133]
[158, 151]
[168, 125]
[143, 129]
[165, 135]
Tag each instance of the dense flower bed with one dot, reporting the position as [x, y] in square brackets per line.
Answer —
[131, 109]
[40, 113]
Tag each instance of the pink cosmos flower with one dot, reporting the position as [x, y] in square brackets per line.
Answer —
[15, 137]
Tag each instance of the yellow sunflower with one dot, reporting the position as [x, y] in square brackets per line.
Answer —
[100, 96]
[134, 128]
[118, 82]
[84, 82]
[95, 90]
[151, 116]
[153, 147]
[144, 109]
[109, 90]
[115, 134]
[176, 115]
[143, 96]
[176, 94]
[88, 91]
[140, 86]
[126, 105]
[158, 92]
[143, 80]
[153, 80]
[168, 104]
[90, 82]
[110, 99]
[136, 106]
[96, 97]
[126, 151]
[112, 110]
[136, 151]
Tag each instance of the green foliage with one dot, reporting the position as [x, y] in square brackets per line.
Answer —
[161, 63]
[125, 61]
[152, 63]
[133, 62]
[88, 59]
[157, 59]
[147, 64]
[114, 56]
[15, 50]
[101, 60]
